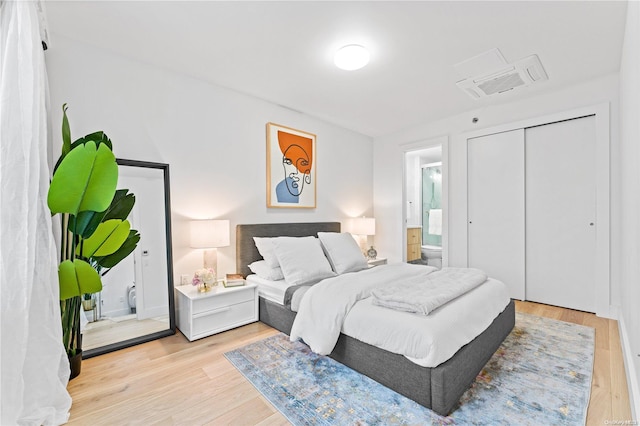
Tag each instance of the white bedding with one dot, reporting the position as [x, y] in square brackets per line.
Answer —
[428, 340]
[424, 295]
[326, 304]
[270, 290]
[343, 304]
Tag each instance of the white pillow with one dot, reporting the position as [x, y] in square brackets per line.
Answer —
[261, 269]
[302, 260]
[343, 252]
[265, 248]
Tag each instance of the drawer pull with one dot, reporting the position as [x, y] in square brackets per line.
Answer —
[216, 311]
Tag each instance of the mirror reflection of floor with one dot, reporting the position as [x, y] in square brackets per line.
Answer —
[112, 330]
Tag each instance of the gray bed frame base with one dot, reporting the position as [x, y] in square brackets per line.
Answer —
[438, 388]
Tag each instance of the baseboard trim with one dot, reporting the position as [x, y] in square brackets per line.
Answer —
[629, 364]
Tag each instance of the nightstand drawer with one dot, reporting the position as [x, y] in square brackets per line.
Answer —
[205, 304]
[224, 317]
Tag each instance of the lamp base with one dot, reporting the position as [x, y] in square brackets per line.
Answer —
[210, 259]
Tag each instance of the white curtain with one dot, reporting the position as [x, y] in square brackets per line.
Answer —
[34, 365]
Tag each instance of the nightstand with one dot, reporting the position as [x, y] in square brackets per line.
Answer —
[203, 314]
[376, 262]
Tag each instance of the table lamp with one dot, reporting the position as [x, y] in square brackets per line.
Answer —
[210, 235]
[364, 226]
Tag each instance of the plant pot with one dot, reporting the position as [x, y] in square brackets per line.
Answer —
[75, 363]
[89, 304]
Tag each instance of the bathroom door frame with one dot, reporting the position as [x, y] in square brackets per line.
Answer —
[443, 142]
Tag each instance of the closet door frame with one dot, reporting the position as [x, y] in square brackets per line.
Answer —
[601, 112]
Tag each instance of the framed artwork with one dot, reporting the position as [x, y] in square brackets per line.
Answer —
[291, 168]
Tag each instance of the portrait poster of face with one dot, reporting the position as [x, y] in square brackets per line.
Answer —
[291, 167]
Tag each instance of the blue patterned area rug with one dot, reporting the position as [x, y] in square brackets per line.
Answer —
[541, 375]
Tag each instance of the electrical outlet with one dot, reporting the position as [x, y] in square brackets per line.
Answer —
[184, 279]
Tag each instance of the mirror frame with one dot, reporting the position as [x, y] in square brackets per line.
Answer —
[172, 317]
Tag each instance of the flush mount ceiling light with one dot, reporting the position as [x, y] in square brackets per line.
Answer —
[351, 57]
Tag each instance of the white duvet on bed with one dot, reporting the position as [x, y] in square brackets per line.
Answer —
[343, 304]
[424, 295]
[432, 339]
[326, 304]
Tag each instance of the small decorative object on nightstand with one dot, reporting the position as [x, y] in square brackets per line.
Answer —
[234, 280]
[203, 314]
[204, 279]
[377, 262]
[372, 253]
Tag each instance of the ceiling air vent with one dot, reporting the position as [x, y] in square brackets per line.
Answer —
[522, 73]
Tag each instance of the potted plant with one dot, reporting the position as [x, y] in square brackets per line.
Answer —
[88, 302]
[95, 233]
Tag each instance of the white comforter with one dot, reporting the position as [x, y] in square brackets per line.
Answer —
[325, 305]
[343, 304]
[424, 295]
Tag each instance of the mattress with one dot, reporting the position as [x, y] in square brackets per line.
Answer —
[270, 290]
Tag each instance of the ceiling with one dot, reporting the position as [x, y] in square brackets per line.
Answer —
[282, 52]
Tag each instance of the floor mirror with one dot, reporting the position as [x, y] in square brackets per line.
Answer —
[136, 302]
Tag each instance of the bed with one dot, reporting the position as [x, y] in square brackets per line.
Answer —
[438, 388]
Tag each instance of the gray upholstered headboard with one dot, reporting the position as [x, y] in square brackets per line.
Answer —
[246, 251]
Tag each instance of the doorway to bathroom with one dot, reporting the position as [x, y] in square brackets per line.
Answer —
[425, 193]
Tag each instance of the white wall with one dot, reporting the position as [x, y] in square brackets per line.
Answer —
[213, 138]
[388, 160]
[628, 217]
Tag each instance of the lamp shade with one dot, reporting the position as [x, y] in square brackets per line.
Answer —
[209, 233]
[363, 226]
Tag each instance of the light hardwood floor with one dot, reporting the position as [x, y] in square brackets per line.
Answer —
[172, 381]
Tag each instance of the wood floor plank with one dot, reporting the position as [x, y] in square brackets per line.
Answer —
[172, 381]
[602, 330]
[620, 407]
[600, 400]
[571, 316]
[252, 412]
[276, 419]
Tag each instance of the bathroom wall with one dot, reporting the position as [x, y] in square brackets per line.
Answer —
[432, 199]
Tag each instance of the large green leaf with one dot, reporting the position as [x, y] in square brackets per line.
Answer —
[125, 250]
[76, 278]
[85, 180]
[85, 223]
[121, 205]
[107, 239]
[97, 137]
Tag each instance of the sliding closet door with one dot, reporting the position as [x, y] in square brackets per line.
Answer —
[560, 214]
[495, 179]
